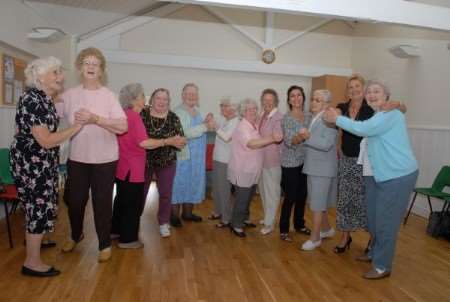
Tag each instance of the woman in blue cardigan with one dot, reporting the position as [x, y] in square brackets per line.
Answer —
[394, 174]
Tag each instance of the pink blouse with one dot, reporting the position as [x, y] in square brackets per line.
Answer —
[268, 125]
[245, 164]
[93, 144]
[131, 155]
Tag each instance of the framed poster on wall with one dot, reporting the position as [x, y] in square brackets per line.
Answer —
[12, 80]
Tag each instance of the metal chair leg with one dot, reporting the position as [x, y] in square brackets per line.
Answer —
[410, 208]
[8, 226]
[429, 203]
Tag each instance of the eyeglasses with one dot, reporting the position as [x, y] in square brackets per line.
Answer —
[89, 63]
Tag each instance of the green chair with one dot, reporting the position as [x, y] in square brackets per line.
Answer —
[441, 181]
[5, 173]
[10, 195]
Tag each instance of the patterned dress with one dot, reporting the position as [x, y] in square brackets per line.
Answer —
[351, 213]
[190, 177]
[35, 169]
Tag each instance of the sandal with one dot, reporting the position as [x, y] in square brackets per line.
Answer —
[222, 225]
[304, 230]
[285, 237]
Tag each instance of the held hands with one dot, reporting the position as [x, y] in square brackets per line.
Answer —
[84, 116]
[177, 141]
[277, 137]
[330, 115]
[304, 134]
[209, 122]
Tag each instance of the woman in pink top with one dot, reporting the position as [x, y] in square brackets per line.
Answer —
[246, 162]
[94, 150]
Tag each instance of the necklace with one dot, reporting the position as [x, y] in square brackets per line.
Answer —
[157, 129]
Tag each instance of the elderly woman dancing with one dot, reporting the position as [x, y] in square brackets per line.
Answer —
[34, 157]
[94, 151]
[321, 167]
[221, 187]
[394, 170]
[246, 162]
[190, 175]
[163, 126]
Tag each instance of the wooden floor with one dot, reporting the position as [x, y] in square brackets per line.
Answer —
[202, 263]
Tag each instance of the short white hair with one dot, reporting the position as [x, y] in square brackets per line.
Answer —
[38, 67]
[326, 94]
[245, 104]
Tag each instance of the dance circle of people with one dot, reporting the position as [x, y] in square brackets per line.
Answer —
[356, 156]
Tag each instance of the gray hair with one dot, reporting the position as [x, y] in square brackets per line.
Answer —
[227, 101]
[326, 94]
[382, 84]
[130, 93]
[189, 85]
[38, 67]
[244, 105]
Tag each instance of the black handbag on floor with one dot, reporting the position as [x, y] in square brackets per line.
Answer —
[439, 224]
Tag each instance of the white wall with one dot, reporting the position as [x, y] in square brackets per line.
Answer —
[213, 84]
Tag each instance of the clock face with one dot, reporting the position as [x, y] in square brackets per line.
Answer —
[268, 56]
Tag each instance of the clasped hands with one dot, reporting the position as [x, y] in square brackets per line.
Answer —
[83, 117]
[277, 137]
[177, 141]
[209, 122]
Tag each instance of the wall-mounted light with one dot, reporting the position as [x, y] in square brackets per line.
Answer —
[405, 51]
[45, 34]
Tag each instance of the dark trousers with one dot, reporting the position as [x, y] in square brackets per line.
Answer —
[100, 179]
[127, 210]
[294, 185]
[164, 182]
[241, 209]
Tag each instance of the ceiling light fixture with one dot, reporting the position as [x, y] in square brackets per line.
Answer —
[46, 34]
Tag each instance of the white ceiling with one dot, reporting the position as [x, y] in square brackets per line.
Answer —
[80, 17]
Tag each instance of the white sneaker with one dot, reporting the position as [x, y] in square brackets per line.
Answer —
[310, 245]
[164, 230]
[327, 234]
[266, 230]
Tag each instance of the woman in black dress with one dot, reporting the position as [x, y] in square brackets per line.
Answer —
[35, 157]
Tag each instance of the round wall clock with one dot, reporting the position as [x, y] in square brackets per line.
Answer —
[268, 56]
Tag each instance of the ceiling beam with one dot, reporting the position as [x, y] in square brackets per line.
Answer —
[124, 25]
[213, 11]
[388, 11]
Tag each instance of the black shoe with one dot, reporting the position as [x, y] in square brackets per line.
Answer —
[191, 217]
[175, 222]
[249, 224]
[304, 230]
[30, 272]
[240, 234]
[340, 249]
